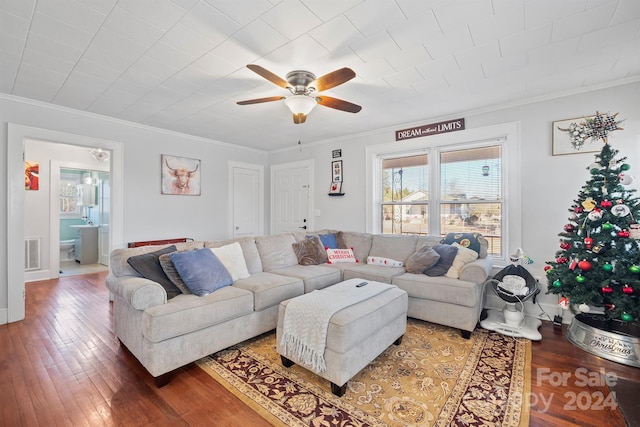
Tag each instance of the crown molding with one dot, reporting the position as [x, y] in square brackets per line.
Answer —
[122, 122]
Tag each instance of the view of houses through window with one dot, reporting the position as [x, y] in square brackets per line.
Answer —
[450, 190]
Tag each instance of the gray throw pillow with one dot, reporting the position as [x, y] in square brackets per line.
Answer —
[310, 251]
[171, 272]
[422, 260]
[201, 271]
[447, 255]
[148, 265]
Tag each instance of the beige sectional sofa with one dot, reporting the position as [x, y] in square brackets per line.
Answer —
[165, 334]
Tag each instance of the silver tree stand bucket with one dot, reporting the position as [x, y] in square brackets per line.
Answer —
[611, 340]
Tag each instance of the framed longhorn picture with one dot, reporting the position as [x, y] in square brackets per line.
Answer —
[180, 175]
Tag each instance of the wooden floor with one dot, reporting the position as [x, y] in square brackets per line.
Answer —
[62, 366]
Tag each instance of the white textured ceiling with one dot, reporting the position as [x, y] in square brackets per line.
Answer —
[180, 64]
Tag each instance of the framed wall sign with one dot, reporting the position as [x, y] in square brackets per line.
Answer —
[336, 171]
[562, 138]
[180, 175]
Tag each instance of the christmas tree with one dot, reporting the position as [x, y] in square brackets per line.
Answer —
[598, 264]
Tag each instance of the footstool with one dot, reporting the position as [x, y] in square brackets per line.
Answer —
[356, 335]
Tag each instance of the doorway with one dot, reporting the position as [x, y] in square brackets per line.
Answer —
[291, 201]
[246, 200]
[16, 212]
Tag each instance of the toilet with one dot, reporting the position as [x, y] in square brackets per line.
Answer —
[67, 250]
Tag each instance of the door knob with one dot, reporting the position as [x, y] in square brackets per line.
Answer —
[304, 227]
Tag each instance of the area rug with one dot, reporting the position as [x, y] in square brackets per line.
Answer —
[433, 378]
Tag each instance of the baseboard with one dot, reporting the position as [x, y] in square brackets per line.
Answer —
[32, 276]
[4, 316]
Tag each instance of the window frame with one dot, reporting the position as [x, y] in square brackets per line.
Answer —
[507, 134]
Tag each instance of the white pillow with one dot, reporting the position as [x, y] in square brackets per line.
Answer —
[232, 258]
[464, 256]
[336, 256]
[385, 262]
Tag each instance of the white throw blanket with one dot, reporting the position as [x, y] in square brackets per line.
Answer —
[307, 317]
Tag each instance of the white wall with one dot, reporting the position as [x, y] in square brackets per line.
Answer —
[549, 183]
[147, 214]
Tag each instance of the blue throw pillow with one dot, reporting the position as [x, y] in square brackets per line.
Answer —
[329, 240]
[201, 271]
[447, 255]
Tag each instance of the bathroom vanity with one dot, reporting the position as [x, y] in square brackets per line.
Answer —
[86, 243]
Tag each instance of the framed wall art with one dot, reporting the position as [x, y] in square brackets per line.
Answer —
[336, 171]
[562, 139]
[180, 175]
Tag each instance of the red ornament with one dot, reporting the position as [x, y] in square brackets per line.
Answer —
[623, 233]
[606, 203]
[609, 306]
[627, 289]
[562, 260]
[585, 265]
[547, 268]
[565, 245]
[577, 209]
[569, 228]
[607, 290]
[588, 242]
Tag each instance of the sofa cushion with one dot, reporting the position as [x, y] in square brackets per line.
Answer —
[371, 272]
[201, 271]
[447, 255]
[393, 246]
[359, 242]
[276, 251]
[249, 251]
[313, 276]
[270, 289]
[442, 289]
[233, 260]
[310, 251]
[189, 313]
[422, 260]
[463, 257]
[171, 272]
[148, 265]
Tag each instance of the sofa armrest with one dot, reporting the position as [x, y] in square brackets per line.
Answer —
[141, 293]
[477, 271]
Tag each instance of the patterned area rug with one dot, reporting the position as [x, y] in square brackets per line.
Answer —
[434, 378]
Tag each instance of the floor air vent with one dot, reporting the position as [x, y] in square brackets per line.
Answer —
[32, 254]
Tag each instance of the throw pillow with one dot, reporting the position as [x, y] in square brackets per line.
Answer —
[340, 240]
[466, 240]
[148, 265]
[336, 256]
[422, 260]
[447, 255]
[310, 251]
[464, 256]
[201, 271]
[385, 262]
[171, 272]
[328, 240]
[232, 257]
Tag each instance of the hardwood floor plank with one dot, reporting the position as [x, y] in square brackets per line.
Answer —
[62, 366]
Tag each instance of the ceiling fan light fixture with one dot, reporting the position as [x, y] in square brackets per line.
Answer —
[300, 104]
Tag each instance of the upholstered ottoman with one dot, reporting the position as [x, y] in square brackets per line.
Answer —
[355, 335]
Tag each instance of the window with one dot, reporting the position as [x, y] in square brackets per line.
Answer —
[458, 184]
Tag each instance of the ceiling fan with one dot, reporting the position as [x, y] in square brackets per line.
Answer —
[303, 86]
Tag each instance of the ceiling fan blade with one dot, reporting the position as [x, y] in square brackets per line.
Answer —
[299, 118]
[333, 79]
[268, 75]
[338, 104]
[259, 100]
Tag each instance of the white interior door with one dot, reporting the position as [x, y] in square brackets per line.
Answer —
[290, 201]
[247, 194]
